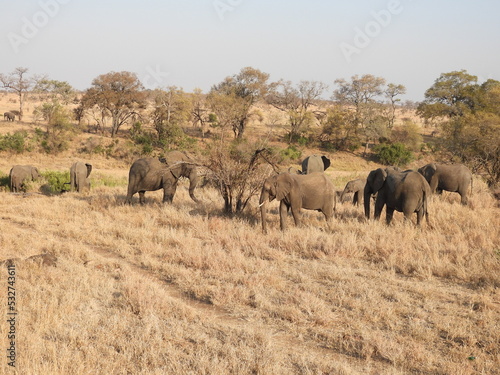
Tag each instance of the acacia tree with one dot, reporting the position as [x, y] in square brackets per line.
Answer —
[172, 109]
[296, 102]
[391, 93]
[452, 94]
[18, 82]
[118, 95]
[54, 90]
[470, 120]
[361, 94]
[232, 99]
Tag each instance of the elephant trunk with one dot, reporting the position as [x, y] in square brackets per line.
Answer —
[342, 195]
[193, 182]
[367, 201]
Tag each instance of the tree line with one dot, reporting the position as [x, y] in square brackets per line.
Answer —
[359, 112]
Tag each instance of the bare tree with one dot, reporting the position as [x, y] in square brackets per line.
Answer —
[18, 82]
[391, 92]
[296, 102]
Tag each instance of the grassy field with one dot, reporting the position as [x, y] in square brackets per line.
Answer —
[183, 289]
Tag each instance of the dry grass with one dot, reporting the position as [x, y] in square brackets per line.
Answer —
[183, 289]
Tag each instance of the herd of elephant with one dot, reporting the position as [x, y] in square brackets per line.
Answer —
[310, 188]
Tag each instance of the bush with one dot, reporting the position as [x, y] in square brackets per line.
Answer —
[17, 142]
[394, 154]
[57, 181]
[4, 182]
[408, 134]
[290, 153]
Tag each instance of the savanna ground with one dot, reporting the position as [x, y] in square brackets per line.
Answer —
[183, 289]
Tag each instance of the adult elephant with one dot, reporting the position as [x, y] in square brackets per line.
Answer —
[150, 174]
[9, 116]
[453, 177]
[20, 174]
[312, 192]
[79, 176]
[406, 192]
[315, 163]
[354, 186]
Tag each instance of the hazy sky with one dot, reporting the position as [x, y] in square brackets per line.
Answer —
[199, 42]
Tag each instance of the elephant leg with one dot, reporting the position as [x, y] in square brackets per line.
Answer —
[328, 217]
[283, 215]
[355, 199]
[379, 205]
[296, 215]
[389, 212]
[142, 199]
[169, 192]
[420, 215]
[463, 198]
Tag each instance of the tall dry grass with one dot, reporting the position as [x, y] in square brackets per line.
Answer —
[183, 289]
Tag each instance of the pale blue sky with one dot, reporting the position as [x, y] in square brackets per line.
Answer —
[197, 43]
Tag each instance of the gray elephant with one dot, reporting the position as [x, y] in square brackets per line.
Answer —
[150, 174]
[406, 192]
[79, 176]
[312, 192]
[453, 177]
[9, 116]
[174, 157]
[315, 163]
[354, 186]
[20, 174]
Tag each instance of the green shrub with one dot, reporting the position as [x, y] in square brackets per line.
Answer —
[394, 154]
[17, 142]
[4, 182]
[290, 153]
[56, 181]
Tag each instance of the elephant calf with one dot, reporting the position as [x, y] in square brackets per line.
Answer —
[79, 176]
[20, 174]
[9, 116]
[354, 186]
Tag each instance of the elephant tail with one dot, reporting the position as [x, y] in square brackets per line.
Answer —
[425, 206]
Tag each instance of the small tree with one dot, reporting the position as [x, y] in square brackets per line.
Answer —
[296, 102]
[238, 170]
[172, 109]
[54, 90]
[118, 95]
[232, 99]
[58, 128]
[18, 82]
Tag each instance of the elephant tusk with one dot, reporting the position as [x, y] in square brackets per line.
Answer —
[260, 205]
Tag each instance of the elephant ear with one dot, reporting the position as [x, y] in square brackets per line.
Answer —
[89, 169]
[178, 169]
[283, 186]
[377, 179]
[326, 162]
[35, 173]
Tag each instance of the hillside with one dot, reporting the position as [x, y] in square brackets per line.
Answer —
[184, 289]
